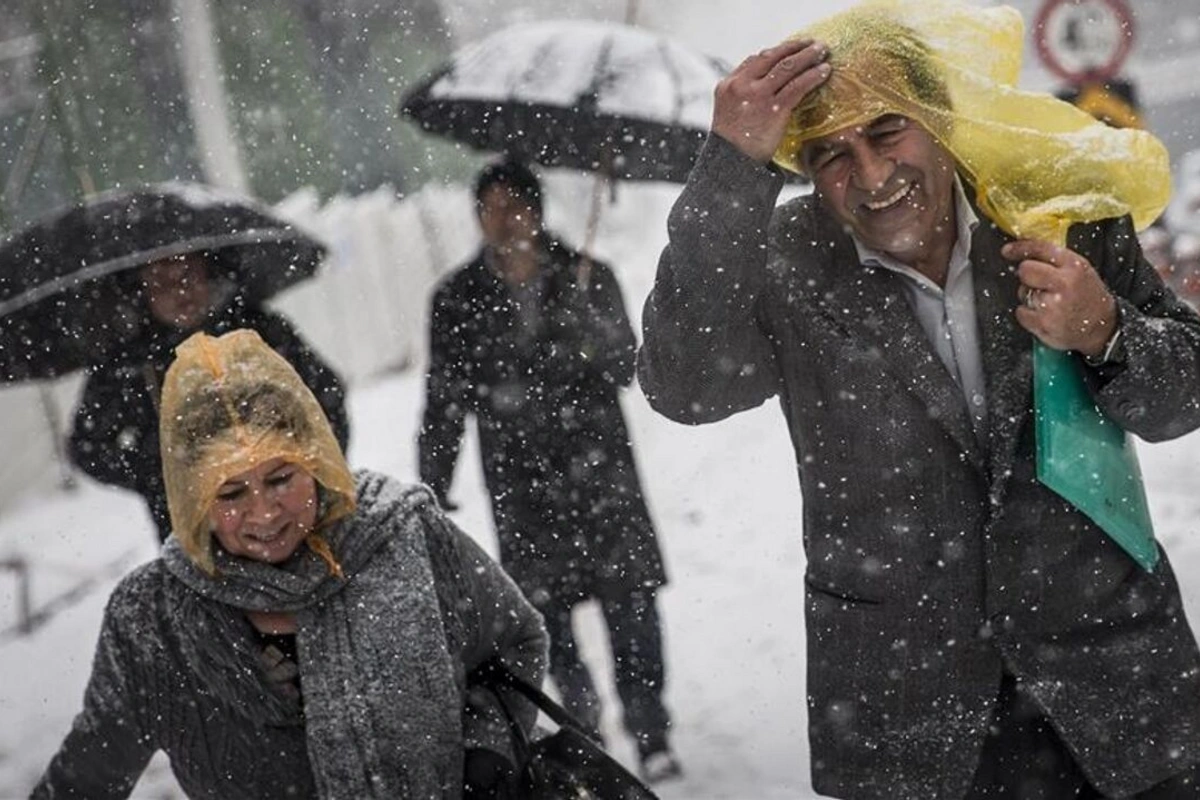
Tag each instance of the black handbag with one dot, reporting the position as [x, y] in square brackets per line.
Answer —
[566, 764]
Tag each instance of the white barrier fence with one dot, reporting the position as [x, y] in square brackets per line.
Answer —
[365, 312]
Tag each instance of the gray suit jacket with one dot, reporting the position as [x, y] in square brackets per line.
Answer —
[935, 560]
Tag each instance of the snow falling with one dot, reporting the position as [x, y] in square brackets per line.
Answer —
[394, 208]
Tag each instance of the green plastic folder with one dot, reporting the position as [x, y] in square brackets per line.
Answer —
[1087, 458]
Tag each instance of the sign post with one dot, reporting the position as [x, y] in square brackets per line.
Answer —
[1085, 43]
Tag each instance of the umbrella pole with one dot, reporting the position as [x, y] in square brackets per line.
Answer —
[64, 105]
[27, 154]
[593, 224]
[631, 12]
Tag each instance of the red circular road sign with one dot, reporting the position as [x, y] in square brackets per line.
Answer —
[1084, 41]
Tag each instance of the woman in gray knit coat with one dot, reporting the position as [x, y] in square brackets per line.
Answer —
[306, 633]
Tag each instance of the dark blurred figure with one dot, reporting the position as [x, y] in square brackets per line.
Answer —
[537, 352]
[115, 434]
[1185, 254]
[1157, 243]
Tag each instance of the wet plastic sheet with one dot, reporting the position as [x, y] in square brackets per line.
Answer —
[1087, 458]
[229, 404]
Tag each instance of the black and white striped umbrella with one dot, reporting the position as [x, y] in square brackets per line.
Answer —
[610, 98]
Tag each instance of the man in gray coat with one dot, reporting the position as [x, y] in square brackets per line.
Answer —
[970, 633]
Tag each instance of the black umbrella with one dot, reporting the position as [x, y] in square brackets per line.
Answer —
[614, 99]
[67, 294]
[611, 98]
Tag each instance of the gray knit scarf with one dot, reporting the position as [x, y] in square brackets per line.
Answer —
[382, 712]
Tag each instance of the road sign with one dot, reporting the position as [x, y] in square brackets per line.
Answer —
[1084, 41]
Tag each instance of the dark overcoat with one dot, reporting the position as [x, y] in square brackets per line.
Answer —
[935, 560]
[567, 502]
[114, 438]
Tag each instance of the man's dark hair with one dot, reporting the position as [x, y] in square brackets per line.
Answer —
[514, 176]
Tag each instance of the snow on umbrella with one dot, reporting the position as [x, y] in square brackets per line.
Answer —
[65, 281]
[586, 95]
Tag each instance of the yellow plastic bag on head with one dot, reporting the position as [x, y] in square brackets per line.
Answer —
[1037, 164]
[230, 403]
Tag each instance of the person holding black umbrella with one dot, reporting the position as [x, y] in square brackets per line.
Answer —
[112, 284]
[115, 434]
[517, 341]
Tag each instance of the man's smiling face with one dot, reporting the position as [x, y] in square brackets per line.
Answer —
[889, 182]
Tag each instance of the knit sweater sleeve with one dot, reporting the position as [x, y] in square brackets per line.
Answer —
[488, 616]
[107, 747]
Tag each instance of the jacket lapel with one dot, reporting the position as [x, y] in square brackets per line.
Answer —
[870, 304]
[1007, 348]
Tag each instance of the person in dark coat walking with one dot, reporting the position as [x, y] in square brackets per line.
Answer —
[114, 438]
[306, 632]
[537, 353]
[970, 633]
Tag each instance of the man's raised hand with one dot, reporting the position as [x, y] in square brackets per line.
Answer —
[753, 103]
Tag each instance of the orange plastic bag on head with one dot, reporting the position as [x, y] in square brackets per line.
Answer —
[1037, 165]
[230, 403]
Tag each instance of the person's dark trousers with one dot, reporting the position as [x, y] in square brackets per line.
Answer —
[1024, 759]
[568, 671]
[635, 636]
